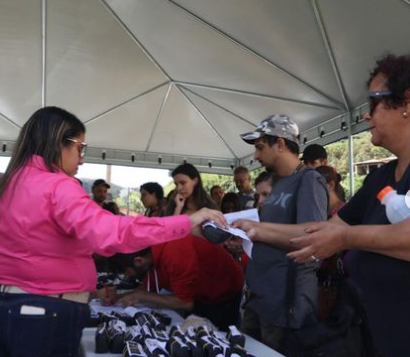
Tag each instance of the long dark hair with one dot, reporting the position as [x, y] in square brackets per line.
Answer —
[199, 196]
[44, 134]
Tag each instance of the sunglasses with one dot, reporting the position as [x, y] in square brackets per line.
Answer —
[376, 97]
[83, 146]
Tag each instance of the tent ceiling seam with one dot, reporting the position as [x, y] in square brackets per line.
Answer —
[159, 116]
[220, 106]
[136, 40]
[207, 121]
[2, 116]
[259, 95]
[125, 102]
[258, 55]
[329, 52]
[406, 2]
[43, 51]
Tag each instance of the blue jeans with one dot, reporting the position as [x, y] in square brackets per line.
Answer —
[55, 333]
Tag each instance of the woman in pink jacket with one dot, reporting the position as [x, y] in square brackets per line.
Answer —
[49, 228]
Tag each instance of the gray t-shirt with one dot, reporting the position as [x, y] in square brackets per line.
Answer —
[267, 270]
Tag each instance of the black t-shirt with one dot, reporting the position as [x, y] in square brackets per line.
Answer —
[384, 281]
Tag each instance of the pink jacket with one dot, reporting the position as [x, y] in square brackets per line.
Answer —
[49, 228]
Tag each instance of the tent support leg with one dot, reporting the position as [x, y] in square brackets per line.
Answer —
[350, 153]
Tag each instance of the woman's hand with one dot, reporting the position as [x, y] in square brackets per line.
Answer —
[179, 203]
[323, 239]
[206, 214]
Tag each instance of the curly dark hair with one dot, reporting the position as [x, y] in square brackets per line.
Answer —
[396, 69]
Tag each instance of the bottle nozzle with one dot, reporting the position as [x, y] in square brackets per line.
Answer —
[384, 192]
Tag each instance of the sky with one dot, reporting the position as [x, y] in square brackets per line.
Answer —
[120, 175]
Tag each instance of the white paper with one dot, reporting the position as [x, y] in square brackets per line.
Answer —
[249, 214]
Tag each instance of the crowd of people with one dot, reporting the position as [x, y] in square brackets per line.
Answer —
[51, 230]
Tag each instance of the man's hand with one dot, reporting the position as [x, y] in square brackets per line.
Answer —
[252, 228]
[107, 295]
[135, 298]
[323, 239]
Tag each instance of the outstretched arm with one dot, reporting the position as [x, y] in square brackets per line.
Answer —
[325, 238]
[139, 297]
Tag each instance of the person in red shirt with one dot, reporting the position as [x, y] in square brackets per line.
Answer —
[203, 279]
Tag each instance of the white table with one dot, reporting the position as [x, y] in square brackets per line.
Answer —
[253, 346]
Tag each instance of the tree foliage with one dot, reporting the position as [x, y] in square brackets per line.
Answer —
[363, 150]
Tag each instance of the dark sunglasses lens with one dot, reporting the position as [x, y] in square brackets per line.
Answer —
[373, 103]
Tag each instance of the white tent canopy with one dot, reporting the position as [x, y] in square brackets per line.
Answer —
[158, 82]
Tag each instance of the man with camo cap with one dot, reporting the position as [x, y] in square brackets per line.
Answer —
[298, 196]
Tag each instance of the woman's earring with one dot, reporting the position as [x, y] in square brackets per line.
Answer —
[405, 115]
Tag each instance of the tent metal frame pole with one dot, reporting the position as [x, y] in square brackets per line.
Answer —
[253, 94]
[407, 2]
[330, 54]
[125, 102]
[208, 122]
[136, 40]
[350, 151]
[257, 55]
[219, 106]
[157, 120]
[43, 51]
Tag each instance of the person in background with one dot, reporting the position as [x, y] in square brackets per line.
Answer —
[152, 195]
[333, 182]
[263, 186]
[99, 190]
[231, 203]
[202, 277]
[112, 207]
[46, 265]
[189, 195]
[314, 155]
[242, 179]
[217, 194]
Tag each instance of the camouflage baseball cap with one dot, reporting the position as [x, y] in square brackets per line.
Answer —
[275, 125]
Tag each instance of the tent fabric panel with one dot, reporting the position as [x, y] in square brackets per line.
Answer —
[7, 130]
[182, 130]
[227, 125]
[133, 123]
[255, 108]
[362, 31]
[92, 64]
[192, 52]
[20, 59]
[284, 32]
